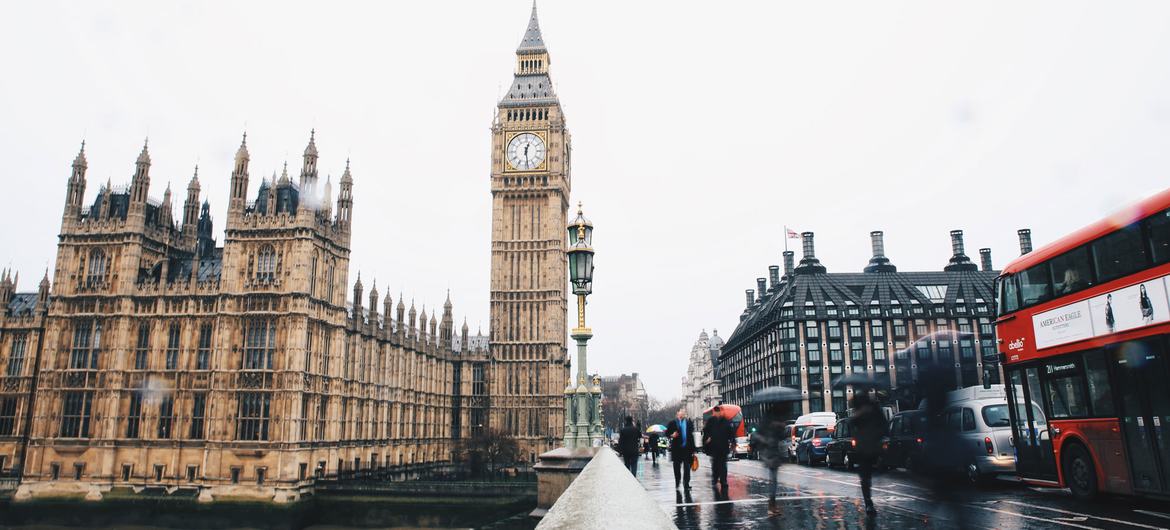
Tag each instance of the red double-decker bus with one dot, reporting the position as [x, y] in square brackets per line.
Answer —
[1084, 336]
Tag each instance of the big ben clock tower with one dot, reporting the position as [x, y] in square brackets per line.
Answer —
[530, 199]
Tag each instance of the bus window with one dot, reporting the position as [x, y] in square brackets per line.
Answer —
[1035, 285]
[1009, 299]
[1070, 271]
[1067, 397]
[1158, 227]
[1120, 253]
[1097, 375]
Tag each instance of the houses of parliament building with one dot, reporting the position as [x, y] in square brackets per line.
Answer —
[155, 356]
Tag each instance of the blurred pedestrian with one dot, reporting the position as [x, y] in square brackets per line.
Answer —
[768, 443]
[654, 446]
[869, 427]
[681, 432]
[717, 440]
[629, 441]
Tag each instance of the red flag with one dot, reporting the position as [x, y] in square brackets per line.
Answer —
[792, 233]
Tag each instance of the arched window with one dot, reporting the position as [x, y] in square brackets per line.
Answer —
[96, 274]
[266, 264]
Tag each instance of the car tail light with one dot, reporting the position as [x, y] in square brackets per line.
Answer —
[919, 440]
[988, 445]
[885, 446]
[853, 443]
[816, 442]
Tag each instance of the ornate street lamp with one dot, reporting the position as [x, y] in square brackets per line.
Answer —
[581, 400]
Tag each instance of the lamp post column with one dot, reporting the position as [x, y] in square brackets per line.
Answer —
[585, 428]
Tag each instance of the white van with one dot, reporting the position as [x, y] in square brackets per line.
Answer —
[796, 430]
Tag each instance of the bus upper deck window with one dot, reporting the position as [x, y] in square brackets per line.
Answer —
[1035, 285]
[1120, 253]
[1158, 228]
[1070, 271]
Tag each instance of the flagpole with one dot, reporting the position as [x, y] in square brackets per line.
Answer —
[785, 238]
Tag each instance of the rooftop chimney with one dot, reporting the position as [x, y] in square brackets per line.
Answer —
[751, 297]
[762, 288]
[959, 260]
[1025, 240]
[879, 262]
[985, 258]
[809, 263]
[774, 276]
[789, 262]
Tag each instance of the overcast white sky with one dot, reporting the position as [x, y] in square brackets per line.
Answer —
[699, 130]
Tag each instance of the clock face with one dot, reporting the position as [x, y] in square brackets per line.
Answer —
[525, 151]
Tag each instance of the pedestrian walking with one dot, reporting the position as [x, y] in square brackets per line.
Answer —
[717, 439]
[654, 449]
[682, 447]
[628, 442]
[768, 443]
[869, 427]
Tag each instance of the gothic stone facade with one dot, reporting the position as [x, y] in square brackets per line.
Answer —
[700, 387]
[530, 182]
[237, 370]
[808, 327]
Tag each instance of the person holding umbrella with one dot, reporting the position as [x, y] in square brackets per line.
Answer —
[653, 449]
[869, 427]
[769, 440]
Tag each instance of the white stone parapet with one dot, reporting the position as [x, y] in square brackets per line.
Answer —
[605, 496]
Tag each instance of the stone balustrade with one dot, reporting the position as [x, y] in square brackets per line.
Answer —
[605, 495]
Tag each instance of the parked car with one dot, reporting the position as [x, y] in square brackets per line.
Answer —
[842, 448]
[906, 439]
[803, 423]
[813, 445]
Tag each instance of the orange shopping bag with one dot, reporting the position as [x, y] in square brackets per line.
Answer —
[694, 463]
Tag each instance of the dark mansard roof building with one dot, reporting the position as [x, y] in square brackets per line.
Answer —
[805, 327]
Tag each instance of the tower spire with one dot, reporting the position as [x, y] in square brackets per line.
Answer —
[533, 41]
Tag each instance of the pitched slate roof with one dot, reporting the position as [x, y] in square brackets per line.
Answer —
[22, 304]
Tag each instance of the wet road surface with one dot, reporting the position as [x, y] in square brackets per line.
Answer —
[820, 497]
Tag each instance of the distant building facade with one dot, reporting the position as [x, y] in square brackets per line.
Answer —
[161, 359]
[623, 395]
[806, 327]
[700, 387]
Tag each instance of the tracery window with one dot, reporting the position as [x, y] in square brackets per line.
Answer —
[266, 264]
[259, 342]
[96, 273]
[87, 338]
[252, 416]
[16, 354]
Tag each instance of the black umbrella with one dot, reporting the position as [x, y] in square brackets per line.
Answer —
[860, 380]
[776, 394]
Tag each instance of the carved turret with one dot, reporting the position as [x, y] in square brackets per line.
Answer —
[401, 317]
[191, 208]
[140, 183]
[239, 188]
[75, 190]
[345, 200]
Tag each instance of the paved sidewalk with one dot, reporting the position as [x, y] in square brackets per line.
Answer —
[746, 503]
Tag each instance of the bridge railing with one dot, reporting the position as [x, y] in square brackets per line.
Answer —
[604, 496]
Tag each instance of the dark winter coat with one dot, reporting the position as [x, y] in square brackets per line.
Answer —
[629, 441]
